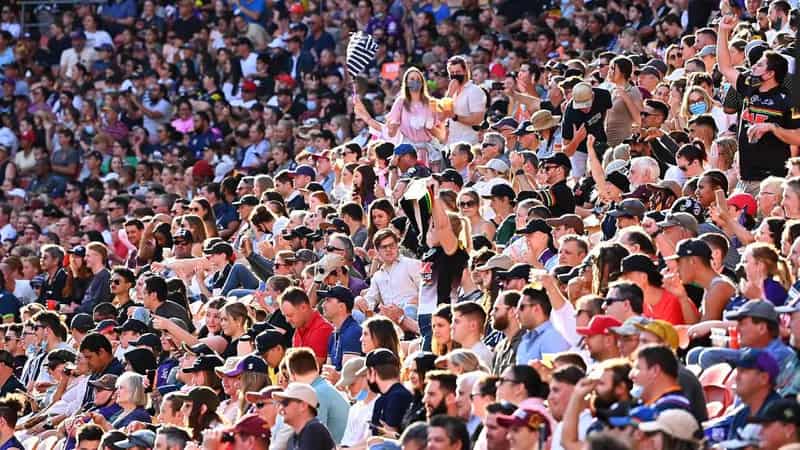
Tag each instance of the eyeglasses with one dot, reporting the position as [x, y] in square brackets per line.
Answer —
[116, 281]
[195, 209]
[522, 306]
[467, 204]
[488, 144]
[387, 246]
[286, 401]
[331, 248]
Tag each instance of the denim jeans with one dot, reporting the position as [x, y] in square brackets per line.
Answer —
[240, 277]
[706, 357]
[425, 331]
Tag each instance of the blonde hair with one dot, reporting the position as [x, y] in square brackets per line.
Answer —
[196, 226]
[250, 382]
[685, 103]
[466, 359]
[776, 265]
[135, 385]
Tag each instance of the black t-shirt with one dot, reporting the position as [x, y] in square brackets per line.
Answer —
[11, 386]
[767, 156]
[53, 289]
[313, 436]
[171, 309]
[558, 198]
[594, 120]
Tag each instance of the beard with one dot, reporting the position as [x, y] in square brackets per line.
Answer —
[374, 387]
[441, 408]
[500, 323]
[603, 401]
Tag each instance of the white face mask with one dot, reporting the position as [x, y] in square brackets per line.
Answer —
[637, 390]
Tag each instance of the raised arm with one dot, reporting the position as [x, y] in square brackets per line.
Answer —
[723, 54]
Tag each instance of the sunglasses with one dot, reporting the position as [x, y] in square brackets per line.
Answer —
[331, 248]
[610, 300]
[116, 281]
[468, 204]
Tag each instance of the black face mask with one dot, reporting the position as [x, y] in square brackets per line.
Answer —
[755, 80]
[374, 387]
[458, 77]
[777, 24]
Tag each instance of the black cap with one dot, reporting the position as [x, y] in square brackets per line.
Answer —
[269, 339]
[502, 190]
[785, 410]
[522, 129]
[689, 205]
[132, 325]
[638, 263]
[535, 225]
[183, 235]
[692, 247]
[219, 247]
[520, 270]
[415, 173]
[630, 207]
[198, 349]
[559, 159]
[82, 322]
[147, 340]
[254, 330]
[107, 382]
[104, 325]
[78, 250]
[303, 231]
[340, 293]
[505, 122]
[450, 175]
[380, 357]
[619, 180]
[247, 200]
[205, 362]
[425, 361]
[141, 360]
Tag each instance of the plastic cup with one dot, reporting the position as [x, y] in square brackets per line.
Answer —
[52, 305]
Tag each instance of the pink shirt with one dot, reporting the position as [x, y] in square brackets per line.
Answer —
[414, 122]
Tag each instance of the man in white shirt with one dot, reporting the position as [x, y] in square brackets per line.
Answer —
[79, 53]
[395, 284]
[248, 58]
[468, 105]
[562, 385]
[469, 322]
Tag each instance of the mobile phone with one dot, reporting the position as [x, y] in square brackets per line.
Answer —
[722, 202]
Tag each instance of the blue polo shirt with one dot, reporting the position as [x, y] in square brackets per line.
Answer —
[391, 406]
[225, 214]
[346, 339]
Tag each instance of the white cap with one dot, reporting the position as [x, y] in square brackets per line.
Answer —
[16, 192]
[299, 391]
[677, 423]
[496, 164]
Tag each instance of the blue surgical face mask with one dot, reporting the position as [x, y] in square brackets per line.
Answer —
[312, 105]
[361, 396]
[636, 391]
[698, 108]
[414, 85]
[268, 299]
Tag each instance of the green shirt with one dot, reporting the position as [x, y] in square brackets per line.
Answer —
[506, 230]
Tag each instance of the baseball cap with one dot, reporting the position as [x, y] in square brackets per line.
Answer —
[520, 270]
[496, 164]
[132, 325]
[569, 221]
[202, 169]
[531, 413]
[619, 180]
[147, 340]
[77, 35]
[650, 70]
[340, 293]
[761, 360]
[535, 225]
[251, 425]
[82, 322]
[107, 382]
[218, 247]
[264, 394]
[667, 185]
[747, 436]
[744, 202]
[268, 340]
[254, 330]
[249, 86]
[674, 422]
[404, 149]
[326, 265]
[600, 324]
[630, 207]
[304, 169]
[105, 326]
[450, 175]
[505, 122]
[582, 96]
[298, 391]
[628, 328]
[559, 159]
[350, 371]
[708, 50]
[247, 200]
[379, 357]
[634, 416]
[78, 250]
[688, 205]
[141, 359]
[785, 410]
[663, 329]
[198, 349]
[679, 219]
[139, 438]
[60, 356]
[205, 362]
[182, 235]
[523, 128]
[760, 309]
[500, 261]
[692, 247]
[501, 190]
[250, 363]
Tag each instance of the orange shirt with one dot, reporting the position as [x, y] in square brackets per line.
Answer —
[668, 308]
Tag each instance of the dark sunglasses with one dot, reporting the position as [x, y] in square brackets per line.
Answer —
[610, 300]
[468, 204]
[331, 248]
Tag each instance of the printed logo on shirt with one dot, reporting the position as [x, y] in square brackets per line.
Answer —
[426, 272]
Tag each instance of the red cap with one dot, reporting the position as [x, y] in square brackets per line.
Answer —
[286, 79]
[251, 425]
[745, 202]
[497, 71]
[326, 154]
[296, 8]
[29, 136]
[599, 325]
[202, 169]
[249, 86]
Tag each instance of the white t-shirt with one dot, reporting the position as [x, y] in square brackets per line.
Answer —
[584, 420]
[249, 65]
[98, 38]
[150, 124]
[356, 431]
[471, 100]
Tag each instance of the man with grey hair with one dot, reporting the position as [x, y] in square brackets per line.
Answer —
[494, 146]
[172, 438]
[644, 170]
[262, 183]
[464, 384]
[341, 244]
[245, 186]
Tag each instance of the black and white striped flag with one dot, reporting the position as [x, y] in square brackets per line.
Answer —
[360, 51]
